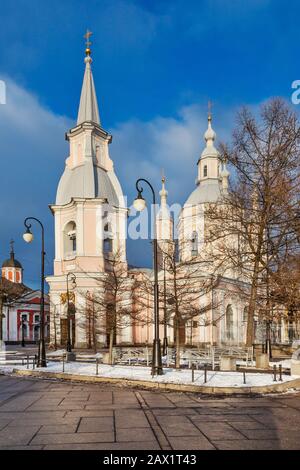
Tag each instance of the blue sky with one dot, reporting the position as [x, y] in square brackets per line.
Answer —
[156, 64]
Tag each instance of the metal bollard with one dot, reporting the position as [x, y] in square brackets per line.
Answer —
[193, 372]
[33, 362]
[244, 377]
[280, 372]
[275, 372]
[97, 365]
[27, 361]
[205, 373]
[63, 359]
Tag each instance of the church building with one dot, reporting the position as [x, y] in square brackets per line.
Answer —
[90, 226]
[20, 305]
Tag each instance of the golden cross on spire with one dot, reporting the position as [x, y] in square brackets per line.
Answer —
[88, 43]
[11, 245]
[163, 178]
[87, 37]
[209, 107]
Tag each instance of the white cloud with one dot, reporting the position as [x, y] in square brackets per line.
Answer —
[33, 151]
[142, 149]
[32, 155]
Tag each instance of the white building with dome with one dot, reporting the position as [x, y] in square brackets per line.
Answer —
[89, 214]
[90, 225]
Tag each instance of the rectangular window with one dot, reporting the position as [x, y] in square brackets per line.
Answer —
[74, 244]
[107, 245]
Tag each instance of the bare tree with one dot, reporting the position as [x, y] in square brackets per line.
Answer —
[111, 307]
[188, 294]
[9, 292]
[253, 230]
[54, 317]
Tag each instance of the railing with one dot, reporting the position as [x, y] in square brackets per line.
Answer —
[17, 359]
[132, 356]
[210, 356]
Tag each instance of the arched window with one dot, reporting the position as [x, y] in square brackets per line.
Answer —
[205, 171]
[245, 314]
[23, 332]
[107, 240]
[229, 323]
[36, 332]
[194, 242]
[70, 240]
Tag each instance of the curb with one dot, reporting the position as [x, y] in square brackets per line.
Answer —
[278, 387]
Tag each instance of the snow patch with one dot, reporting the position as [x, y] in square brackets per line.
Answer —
[171, 376]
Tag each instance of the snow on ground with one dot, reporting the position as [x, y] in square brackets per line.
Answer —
[183, 376]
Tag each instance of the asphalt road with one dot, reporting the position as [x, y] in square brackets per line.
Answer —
[44, 414]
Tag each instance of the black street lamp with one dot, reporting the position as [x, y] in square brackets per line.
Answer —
[28, 237]
[69, 342]
[140, 204]
[165, 340]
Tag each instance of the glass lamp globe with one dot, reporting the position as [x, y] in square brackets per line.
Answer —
[139, 203]
[28, 236]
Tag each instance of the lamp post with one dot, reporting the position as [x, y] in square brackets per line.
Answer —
[165, 340]
[28, 237]
[140, 204]
[69, 343]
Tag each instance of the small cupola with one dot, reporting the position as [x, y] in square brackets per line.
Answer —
[12, 269]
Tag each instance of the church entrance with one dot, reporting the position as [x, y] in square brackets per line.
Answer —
[181, 332]
[64, 331]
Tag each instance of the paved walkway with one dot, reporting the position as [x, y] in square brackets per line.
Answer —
[40, 414]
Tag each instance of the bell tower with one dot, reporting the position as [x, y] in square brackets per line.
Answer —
[89, 212]
[165, 227]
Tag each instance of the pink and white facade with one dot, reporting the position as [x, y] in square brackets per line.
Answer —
[21, 307]
[90, 216]
[24, 313]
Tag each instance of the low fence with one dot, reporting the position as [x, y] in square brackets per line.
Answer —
[210, 357]
[18, 359]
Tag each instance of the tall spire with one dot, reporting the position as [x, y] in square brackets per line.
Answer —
[163, 192]
[88, 107]
[12, 253]
[209, 135]
[164, 221]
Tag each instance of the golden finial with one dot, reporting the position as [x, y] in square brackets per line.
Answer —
[88, 42]
[12, 242]
[163, 178]
[209, 107]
